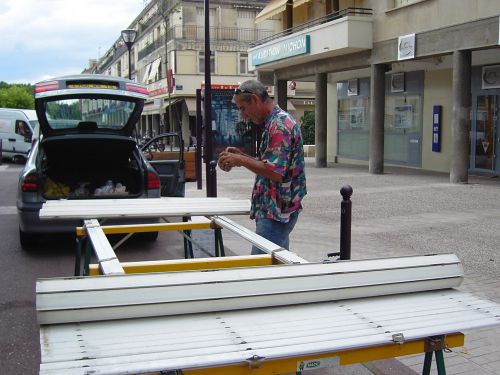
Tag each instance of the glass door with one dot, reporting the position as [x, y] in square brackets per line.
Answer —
[485, 133]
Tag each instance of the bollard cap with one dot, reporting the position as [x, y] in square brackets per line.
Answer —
[346, 191]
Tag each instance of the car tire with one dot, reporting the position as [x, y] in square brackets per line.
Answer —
[28, 240]
[18, 159]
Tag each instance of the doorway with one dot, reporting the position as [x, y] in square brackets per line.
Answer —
[485, 134]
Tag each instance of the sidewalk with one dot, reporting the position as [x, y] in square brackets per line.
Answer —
[403, 212]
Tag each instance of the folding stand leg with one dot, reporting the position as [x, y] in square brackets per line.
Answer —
[78, 255]
[427, 363]
[88, 253]
[188, 245]
[440, 362]
[219, 243]
[435, 344]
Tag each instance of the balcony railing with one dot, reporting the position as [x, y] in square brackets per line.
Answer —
[197, 33]
[149, 48]
[194, 32]
[318, 21]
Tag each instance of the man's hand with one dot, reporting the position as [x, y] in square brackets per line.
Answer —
[228, 160]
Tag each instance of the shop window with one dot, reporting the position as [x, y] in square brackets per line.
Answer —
[353, 127]
[402, 128]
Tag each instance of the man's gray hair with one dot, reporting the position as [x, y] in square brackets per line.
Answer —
[250, 87]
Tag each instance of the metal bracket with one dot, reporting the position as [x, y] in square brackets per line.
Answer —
[92, 223]
[255, 361]
[435, 343]
[398, 338]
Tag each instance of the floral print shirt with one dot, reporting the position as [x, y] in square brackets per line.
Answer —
[282, 151]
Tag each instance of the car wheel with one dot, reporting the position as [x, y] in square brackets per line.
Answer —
[28, 240]
[18, 159]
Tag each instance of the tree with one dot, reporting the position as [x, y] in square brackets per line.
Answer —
[307, 127]
[16, 96]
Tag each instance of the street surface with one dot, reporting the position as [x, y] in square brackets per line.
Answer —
[19, 269]
[402, 212]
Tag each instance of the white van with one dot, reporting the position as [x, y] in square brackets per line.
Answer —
[17, 127]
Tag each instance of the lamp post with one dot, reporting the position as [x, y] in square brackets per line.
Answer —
[128, 36]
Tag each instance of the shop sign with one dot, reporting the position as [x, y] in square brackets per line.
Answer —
[295, 46]
[156, 92]
[406, 47]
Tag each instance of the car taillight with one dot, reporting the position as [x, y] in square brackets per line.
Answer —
[30, 183]
[153, 181]
[46, 86]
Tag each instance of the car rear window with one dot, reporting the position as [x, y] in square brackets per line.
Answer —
[88, 113]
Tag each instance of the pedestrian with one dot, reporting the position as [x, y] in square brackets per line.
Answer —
[280, 180]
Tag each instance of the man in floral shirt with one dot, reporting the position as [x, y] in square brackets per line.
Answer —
[280, 181]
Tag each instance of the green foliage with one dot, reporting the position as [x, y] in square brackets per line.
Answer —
[307, 127]
[64, 111]
[16, 96]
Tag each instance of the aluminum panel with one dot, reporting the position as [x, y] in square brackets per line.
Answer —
[230, 337]
[159, 207]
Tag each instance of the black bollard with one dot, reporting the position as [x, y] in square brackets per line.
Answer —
[345, 222]
[212, 191]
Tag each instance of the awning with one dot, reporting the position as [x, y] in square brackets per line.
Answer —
[191, 105]
[273, 8]
[154, 69]
[146, 74]
[151, 109]
[297, 3]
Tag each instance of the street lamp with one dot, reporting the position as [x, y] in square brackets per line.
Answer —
[128, 36]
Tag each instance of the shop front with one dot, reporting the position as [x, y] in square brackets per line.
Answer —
[485, 126]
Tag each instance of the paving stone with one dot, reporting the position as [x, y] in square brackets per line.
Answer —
[401, 212]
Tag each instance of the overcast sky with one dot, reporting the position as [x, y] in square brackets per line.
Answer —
[40, 39]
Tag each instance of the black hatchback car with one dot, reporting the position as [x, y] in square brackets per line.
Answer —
[86, 149]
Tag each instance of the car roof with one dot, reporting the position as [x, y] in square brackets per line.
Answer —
[29, 113]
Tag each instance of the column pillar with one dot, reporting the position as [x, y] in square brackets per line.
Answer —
[461, 93]
[280, 93]
[320, 120]
[377, 108]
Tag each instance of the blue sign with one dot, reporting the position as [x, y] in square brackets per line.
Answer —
[436, 128]
[298, 45]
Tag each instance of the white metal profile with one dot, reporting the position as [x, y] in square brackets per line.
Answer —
[158, 207]
[161, 294]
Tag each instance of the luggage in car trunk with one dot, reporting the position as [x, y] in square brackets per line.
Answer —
[88, 167]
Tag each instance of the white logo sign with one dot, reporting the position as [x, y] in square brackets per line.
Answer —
[314, 364]
[406, 47]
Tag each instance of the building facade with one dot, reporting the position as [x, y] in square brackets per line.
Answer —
[168, 55]
[413, 83]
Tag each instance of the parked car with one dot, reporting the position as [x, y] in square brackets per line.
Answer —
[17, 127]
[86, 150]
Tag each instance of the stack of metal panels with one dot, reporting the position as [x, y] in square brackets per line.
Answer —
[198, 319]
[134, 346]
